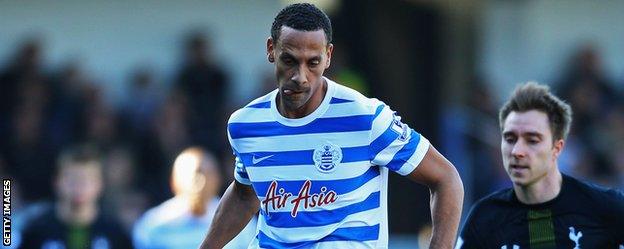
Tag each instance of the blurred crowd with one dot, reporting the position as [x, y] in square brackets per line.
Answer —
[44, 112]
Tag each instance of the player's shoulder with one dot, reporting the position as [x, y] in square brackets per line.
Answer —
[42, 223]
[497, 198]
[496, 202]
[594, 193]
[155, 220]
[161, 214]
[257, 110]
[353, 98]
[41, 217]
[486, 214]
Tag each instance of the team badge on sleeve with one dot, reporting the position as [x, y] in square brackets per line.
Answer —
[327, 157]
[400, 128]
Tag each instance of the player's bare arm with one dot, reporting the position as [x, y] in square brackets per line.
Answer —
[447, 196]
[238, 205]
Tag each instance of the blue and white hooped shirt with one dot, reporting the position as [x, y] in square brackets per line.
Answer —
[322, 179]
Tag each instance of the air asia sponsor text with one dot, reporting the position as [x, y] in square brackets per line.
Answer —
[277, 198]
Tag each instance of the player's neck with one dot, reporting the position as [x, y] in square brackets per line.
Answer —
[541, 191]
[198, 205]
[76, 214]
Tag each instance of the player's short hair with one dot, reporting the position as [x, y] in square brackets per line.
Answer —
[79, 156]
[533, 96]
[303, 17]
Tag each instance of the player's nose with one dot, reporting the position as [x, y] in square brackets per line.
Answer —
[300, 76]
[518, 150]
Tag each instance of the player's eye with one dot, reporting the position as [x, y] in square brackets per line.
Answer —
[288, 61]
[314, 63]
[510, 140]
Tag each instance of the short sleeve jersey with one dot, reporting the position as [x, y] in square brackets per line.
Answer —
[322, 179]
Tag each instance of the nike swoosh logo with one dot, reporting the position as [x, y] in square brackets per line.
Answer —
[257, 160]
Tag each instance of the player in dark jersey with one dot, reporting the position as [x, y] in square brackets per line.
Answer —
[544, 209]
[75, 221]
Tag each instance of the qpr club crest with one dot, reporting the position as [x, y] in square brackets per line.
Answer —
[327, 157]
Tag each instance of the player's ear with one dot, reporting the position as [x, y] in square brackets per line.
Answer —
[330, 50]
[558, 147]
[270, 50]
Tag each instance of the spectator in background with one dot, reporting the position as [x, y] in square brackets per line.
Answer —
[26, 63]
[183, 221]
[585, 72]
[145, 121]
[610, 133]
[203, 83]
[24, 98]
[593, 97]
[485, 145]
[101, 120]
[157, 152]
[75, 221]
[467, 138]
[28, 151]
[144, 99]
[122, 195]
[68, 104]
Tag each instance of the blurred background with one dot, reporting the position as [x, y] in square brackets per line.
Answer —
[142, 81]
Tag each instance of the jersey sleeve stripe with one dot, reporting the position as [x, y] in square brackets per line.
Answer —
[416, 158]
[385, 156]
[321, 125]
[402, 156]
[242, 179]
[242, 174]
[341, 186]
[378, 110]
[381, 121]
[383, 141]
[364, 233]
[321, 218]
